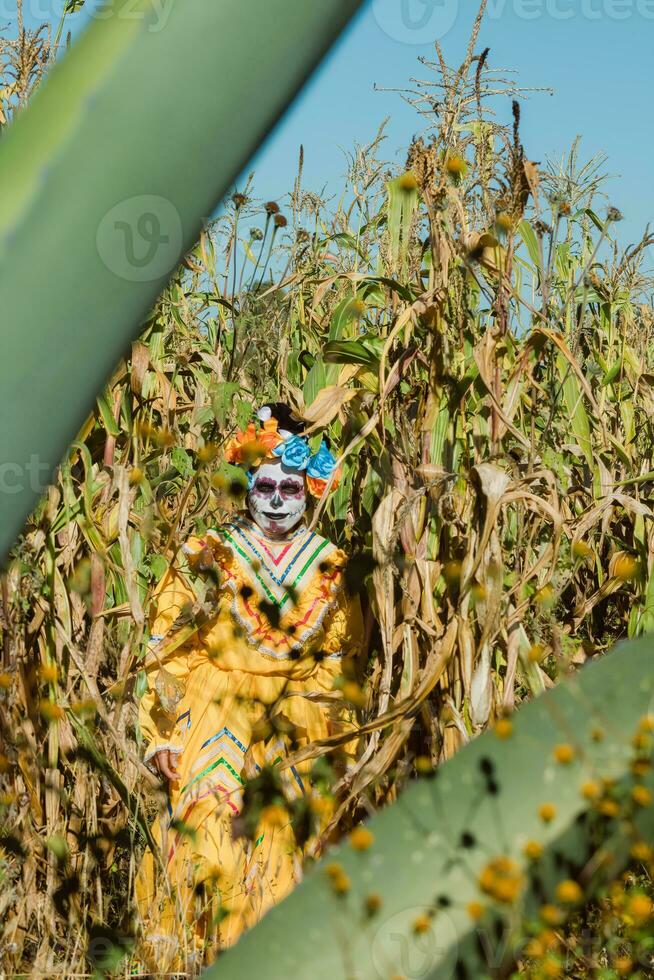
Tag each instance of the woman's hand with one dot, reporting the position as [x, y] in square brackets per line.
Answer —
[165, 762]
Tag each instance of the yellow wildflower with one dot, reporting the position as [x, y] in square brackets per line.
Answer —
[51, 712]
[86, 707]
[568, 892]
[532, 850]
[321, 806]
[608, 807]
[623, 966]
[407, 182]
[624, 567]
[639, 908]
[452, 573]
[361, 839]
[534, 949]
[337, 878]
[504, 221]
[548, 939]
[642, 741]
[341, 884]
[208, 452]
[164, 438]
[545, 597]
[641, 795]
[564, 754]
[547, 812]
[581, 550]
[504, 728]
[49, 673]
[478, 593]
[641, 851]
[455, 165]
[551, 915]
[476, 910]
[275, 815]
[421, 924]
[551, 967]
[373, 903]
[353, 693]
[591, 789]
[501, 879]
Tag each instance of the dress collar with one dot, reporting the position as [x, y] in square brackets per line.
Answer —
[252, 528]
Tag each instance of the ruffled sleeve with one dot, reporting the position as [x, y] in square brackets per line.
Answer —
[343, 629]
[344, 635]
[172, 598]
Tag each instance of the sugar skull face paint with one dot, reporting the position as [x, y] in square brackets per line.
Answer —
[277, 501]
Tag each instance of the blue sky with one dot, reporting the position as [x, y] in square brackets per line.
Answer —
[594, 54]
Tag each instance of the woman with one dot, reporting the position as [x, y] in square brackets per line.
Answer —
[233, 690]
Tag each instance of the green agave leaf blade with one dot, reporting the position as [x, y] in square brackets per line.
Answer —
[105, 182]
[491, 792]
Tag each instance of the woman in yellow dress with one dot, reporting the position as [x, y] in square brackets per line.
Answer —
[232, 691]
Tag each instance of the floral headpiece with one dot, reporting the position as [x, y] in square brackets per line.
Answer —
[251, 446]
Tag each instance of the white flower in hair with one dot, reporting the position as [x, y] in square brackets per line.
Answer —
[264, 414]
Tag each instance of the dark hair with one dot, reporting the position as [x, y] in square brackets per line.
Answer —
[285, 417]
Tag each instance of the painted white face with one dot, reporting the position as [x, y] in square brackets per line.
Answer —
[277, 500]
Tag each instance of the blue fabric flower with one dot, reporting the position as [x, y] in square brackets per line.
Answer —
[322, 465]
[294, 452]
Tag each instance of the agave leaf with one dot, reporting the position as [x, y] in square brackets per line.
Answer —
[417, 855]
[102, 123]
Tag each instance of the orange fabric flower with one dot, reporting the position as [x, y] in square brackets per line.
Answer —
[269, 436]
[234, 446]
[316, 487]
[251, 446]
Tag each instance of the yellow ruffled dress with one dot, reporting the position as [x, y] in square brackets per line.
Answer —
[271, 649]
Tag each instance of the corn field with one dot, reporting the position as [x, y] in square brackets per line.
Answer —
[479, 350]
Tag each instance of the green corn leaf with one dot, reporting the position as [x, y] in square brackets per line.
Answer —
[315, 381]
[528, 236]
[148, 166]
[346, 312]
[349, 352]
[574, 402]
[403, 201]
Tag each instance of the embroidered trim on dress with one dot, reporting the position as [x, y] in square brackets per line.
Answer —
[249, 629]
[242, 561]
